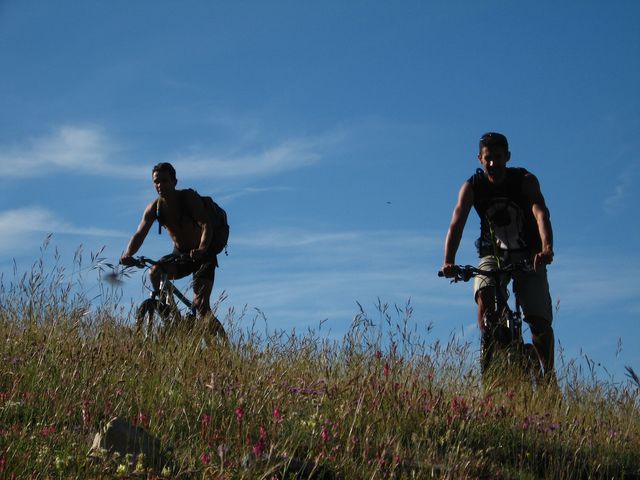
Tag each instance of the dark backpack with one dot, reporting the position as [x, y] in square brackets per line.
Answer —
[217, 218]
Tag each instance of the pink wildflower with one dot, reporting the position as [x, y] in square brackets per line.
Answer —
[47, 430]
[141, 419]
[239, 413]
[277, 414]
[459, 406]
[205, 421]
[324, 434]
[387, 369]
[205, 459]
[258, 448]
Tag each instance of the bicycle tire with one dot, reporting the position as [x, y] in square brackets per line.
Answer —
[157, 316]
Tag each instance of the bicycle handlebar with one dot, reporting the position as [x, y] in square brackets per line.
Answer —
[143, 262]
[465, 273]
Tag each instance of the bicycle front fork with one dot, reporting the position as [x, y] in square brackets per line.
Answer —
[499, 333]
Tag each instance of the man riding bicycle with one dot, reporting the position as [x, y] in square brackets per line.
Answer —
[514, 225]
[183, 215]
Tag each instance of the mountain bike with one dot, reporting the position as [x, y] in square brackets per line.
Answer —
[160, 314]
[503, 326]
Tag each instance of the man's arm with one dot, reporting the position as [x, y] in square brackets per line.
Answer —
[148, 217]
[531, 188]
[456, 227]
[199, 214]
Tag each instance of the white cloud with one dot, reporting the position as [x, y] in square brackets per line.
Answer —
[284, 156]
[79, 149]
[291, 237]
[582, 280]
[622, 190]
[228, 198]
[370, 242]
[24, 227]
[87, 150]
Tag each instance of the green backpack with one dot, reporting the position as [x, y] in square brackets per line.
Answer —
[217, 217]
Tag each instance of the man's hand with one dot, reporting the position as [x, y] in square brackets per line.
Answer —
[127, 260]
[197, 254]
[449, 270]
[545, 257]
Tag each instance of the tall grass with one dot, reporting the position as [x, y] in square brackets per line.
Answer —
[379, 403]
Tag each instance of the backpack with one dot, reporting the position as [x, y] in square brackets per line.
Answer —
[217, 217]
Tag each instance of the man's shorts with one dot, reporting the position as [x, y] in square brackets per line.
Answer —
[202, 270]
[531, 288]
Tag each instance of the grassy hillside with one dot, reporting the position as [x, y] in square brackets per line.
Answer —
[285, 405]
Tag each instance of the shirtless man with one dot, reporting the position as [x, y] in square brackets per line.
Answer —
[183, 215]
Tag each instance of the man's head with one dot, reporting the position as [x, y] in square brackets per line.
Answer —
[494, 155]
[164, 178]
[492, 140]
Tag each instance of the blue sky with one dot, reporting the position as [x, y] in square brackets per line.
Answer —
[336, 135]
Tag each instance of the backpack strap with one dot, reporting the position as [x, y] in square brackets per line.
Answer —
[158, 216]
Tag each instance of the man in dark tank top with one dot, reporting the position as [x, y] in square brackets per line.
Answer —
[514, 224]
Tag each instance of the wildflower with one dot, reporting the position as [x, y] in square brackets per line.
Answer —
[222, 451]
[277, 414]
[526, 422]
[121, 470]
[47, 430]
[264, 435]
[553, 427]
[205, 421]
[142, 419]
[324, 434]
[140, 463]
[239, 413]
[378, 354]
[205, 459]
[86, 417]
[59, 462]
[166, 472]
[258, 448]
[387, 369]
[459, 406]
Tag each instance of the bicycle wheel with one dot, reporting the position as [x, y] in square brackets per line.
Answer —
[494, 339]
[155, 316]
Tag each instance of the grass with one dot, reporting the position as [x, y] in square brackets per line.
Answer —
[380, 403]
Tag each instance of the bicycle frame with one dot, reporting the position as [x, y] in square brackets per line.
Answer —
[504, 317]
[167, 290]
[513, 317]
